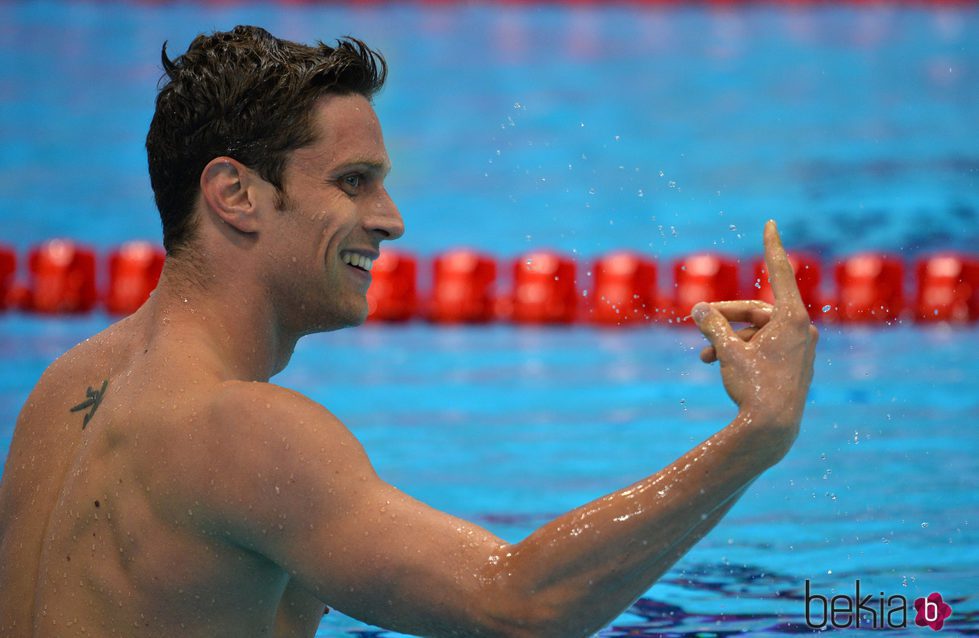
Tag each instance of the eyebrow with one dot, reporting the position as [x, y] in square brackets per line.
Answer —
[368, 165]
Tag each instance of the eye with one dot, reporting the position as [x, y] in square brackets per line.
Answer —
[352, 181]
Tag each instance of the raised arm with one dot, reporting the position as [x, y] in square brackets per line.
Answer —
[311, 502]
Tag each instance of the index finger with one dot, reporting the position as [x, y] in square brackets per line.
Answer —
[780, 272]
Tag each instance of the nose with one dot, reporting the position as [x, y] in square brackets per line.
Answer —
[385, 220]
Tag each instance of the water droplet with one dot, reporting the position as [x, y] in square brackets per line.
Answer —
[826, 308]
[924, 524]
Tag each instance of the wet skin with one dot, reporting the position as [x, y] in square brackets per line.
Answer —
[201, 500]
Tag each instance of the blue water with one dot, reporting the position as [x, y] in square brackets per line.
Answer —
[587, 129]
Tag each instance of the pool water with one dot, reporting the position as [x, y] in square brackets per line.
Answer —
[587, 129]
[509, 427]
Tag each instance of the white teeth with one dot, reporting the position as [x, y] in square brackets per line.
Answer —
[364, 263]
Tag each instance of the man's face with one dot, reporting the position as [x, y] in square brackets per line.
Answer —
[335, 215]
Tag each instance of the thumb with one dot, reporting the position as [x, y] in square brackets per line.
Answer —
[715, 327]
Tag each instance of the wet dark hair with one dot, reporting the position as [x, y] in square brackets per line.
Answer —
[246, 94]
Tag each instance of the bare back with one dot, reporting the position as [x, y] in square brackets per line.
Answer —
[91, 542]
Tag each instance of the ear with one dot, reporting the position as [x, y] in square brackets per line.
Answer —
[233, 192]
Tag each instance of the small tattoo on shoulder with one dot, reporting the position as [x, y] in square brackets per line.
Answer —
[92, 402]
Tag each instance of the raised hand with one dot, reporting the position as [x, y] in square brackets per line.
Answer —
[767, 367]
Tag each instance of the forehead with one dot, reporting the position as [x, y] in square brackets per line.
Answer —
[347, 131]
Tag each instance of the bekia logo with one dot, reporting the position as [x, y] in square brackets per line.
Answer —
[932, 611]
[874, 612]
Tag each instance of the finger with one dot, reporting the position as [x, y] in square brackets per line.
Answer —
[715, 327]
[811, 358]
[780, 272]
[747, 311]
[709, 355]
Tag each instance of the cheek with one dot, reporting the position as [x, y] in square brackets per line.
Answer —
[329, 241]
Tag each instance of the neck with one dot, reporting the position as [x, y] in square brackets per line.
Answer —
[230, 325]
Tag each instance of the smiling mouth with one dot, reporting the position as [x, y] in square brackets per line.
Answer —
[358, 261]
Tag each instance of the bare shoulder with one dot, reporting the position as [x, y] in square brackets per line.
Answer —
[255, 400]
[83, 362]
[270, 413]
[261, 454]
[247, 428]
[49, 421]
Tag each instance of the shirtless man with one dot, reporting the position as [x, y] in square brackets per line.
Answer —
[158, 485]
